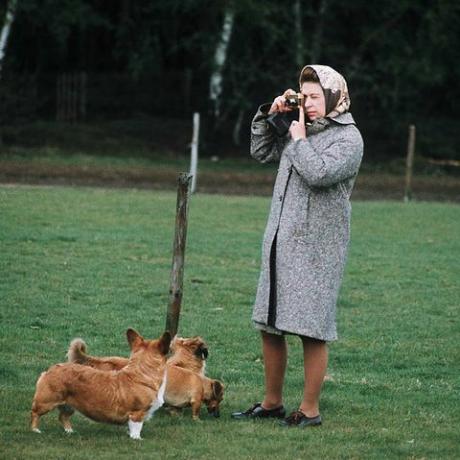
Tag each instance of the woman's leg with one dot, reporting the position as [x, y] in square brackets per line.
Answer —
[315, 354]
[275, 358]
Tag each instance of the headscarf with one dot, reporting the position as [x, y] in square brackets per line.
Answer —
[334, 87]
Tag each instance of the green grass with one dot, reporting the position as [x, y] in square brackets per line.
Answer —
[93, 262]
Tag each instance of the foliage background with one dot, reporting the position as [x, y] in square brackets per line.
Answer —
[154, 59]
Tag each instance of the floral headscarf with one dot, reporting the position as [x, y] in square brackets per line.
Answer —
[334, 87]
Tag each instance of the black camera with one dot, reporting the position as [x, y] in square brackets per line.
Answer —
[280, 122]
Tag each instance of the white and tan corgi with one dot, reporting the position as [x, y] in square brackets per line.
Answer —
[130, 395]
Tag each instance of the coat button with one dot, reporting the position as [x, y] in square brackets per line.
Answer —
[281, 197]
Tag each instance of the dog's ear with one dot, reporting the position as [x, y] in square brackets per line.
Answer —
[165, 342]
[202, 352]
[134, 338]
[217, 389]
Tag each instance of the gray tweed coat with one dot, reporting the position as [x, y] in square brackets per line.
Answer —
[306, 238]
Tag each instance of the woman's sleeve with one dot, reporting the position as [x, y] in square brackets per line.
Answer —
[330, 165]
[265, 145]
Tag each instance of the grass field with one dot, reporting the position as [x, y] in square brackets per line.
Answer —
[93, 262]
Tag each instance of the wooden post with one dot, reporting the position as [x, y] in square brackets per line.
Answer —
[409, 163]
[177, 271]
[194, 149]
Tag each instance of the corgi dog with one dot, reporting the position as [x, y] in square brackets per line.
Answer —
[186, 384]
[185, 388]
[188, 353]
[130, 395]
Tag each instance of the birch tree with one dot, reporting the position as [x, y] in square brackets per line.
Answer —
[9, 18]
[220, 56]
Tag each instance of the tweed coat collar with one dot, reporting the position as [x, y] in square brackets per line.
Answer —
[321, 124]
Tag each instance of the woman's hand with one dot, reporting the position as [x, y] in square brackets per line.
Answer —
[279, 103]
[298, 129]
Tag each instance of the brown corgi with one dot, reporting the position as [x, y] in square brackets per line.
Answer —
[130, 395]
[186, 388]
[189, 353]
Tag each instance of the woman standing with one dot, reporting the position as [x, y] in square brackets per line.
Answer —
[307, 234]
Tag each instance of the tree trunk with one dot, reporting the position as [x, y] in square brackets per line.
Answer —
[315, 55]
[9, 18]
[220, 55]
[299, 55]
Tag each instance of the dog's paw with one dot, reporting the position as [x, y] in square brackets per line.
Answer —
[135, 429]
[68, 430]
[174, 411]
[36, 430]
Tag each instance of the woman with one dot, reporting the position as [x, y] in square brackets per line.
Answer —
[306, 238]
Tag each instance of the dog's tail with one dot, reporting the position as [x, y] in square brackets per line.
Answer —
[77, 352]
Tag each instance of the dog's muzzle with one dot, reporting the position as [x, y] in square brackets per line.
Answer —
[214, 412]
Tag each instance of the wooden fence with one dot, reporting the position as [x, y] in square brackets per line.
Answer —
[71, 96]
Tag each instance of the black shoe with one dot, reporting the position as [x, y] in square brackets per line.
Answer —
[298, 418]
[257, 411]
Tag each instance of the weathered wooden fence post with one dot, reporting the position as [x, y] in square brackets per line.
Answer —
[194, 149]
[177, 271]
[409, 163]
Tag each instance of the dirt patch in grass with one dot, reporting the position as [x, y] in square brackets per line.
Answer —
[369, 186]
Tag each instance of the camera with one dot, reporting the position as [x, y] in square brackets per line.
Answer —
[294, 100]
[280, 122]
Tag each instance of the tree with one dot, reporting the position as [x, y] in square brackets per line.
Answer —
[233, 55]
[220, 56]
[9, 18]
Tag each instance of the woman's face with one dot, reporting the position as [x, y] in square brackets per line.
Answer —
[314, 101]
